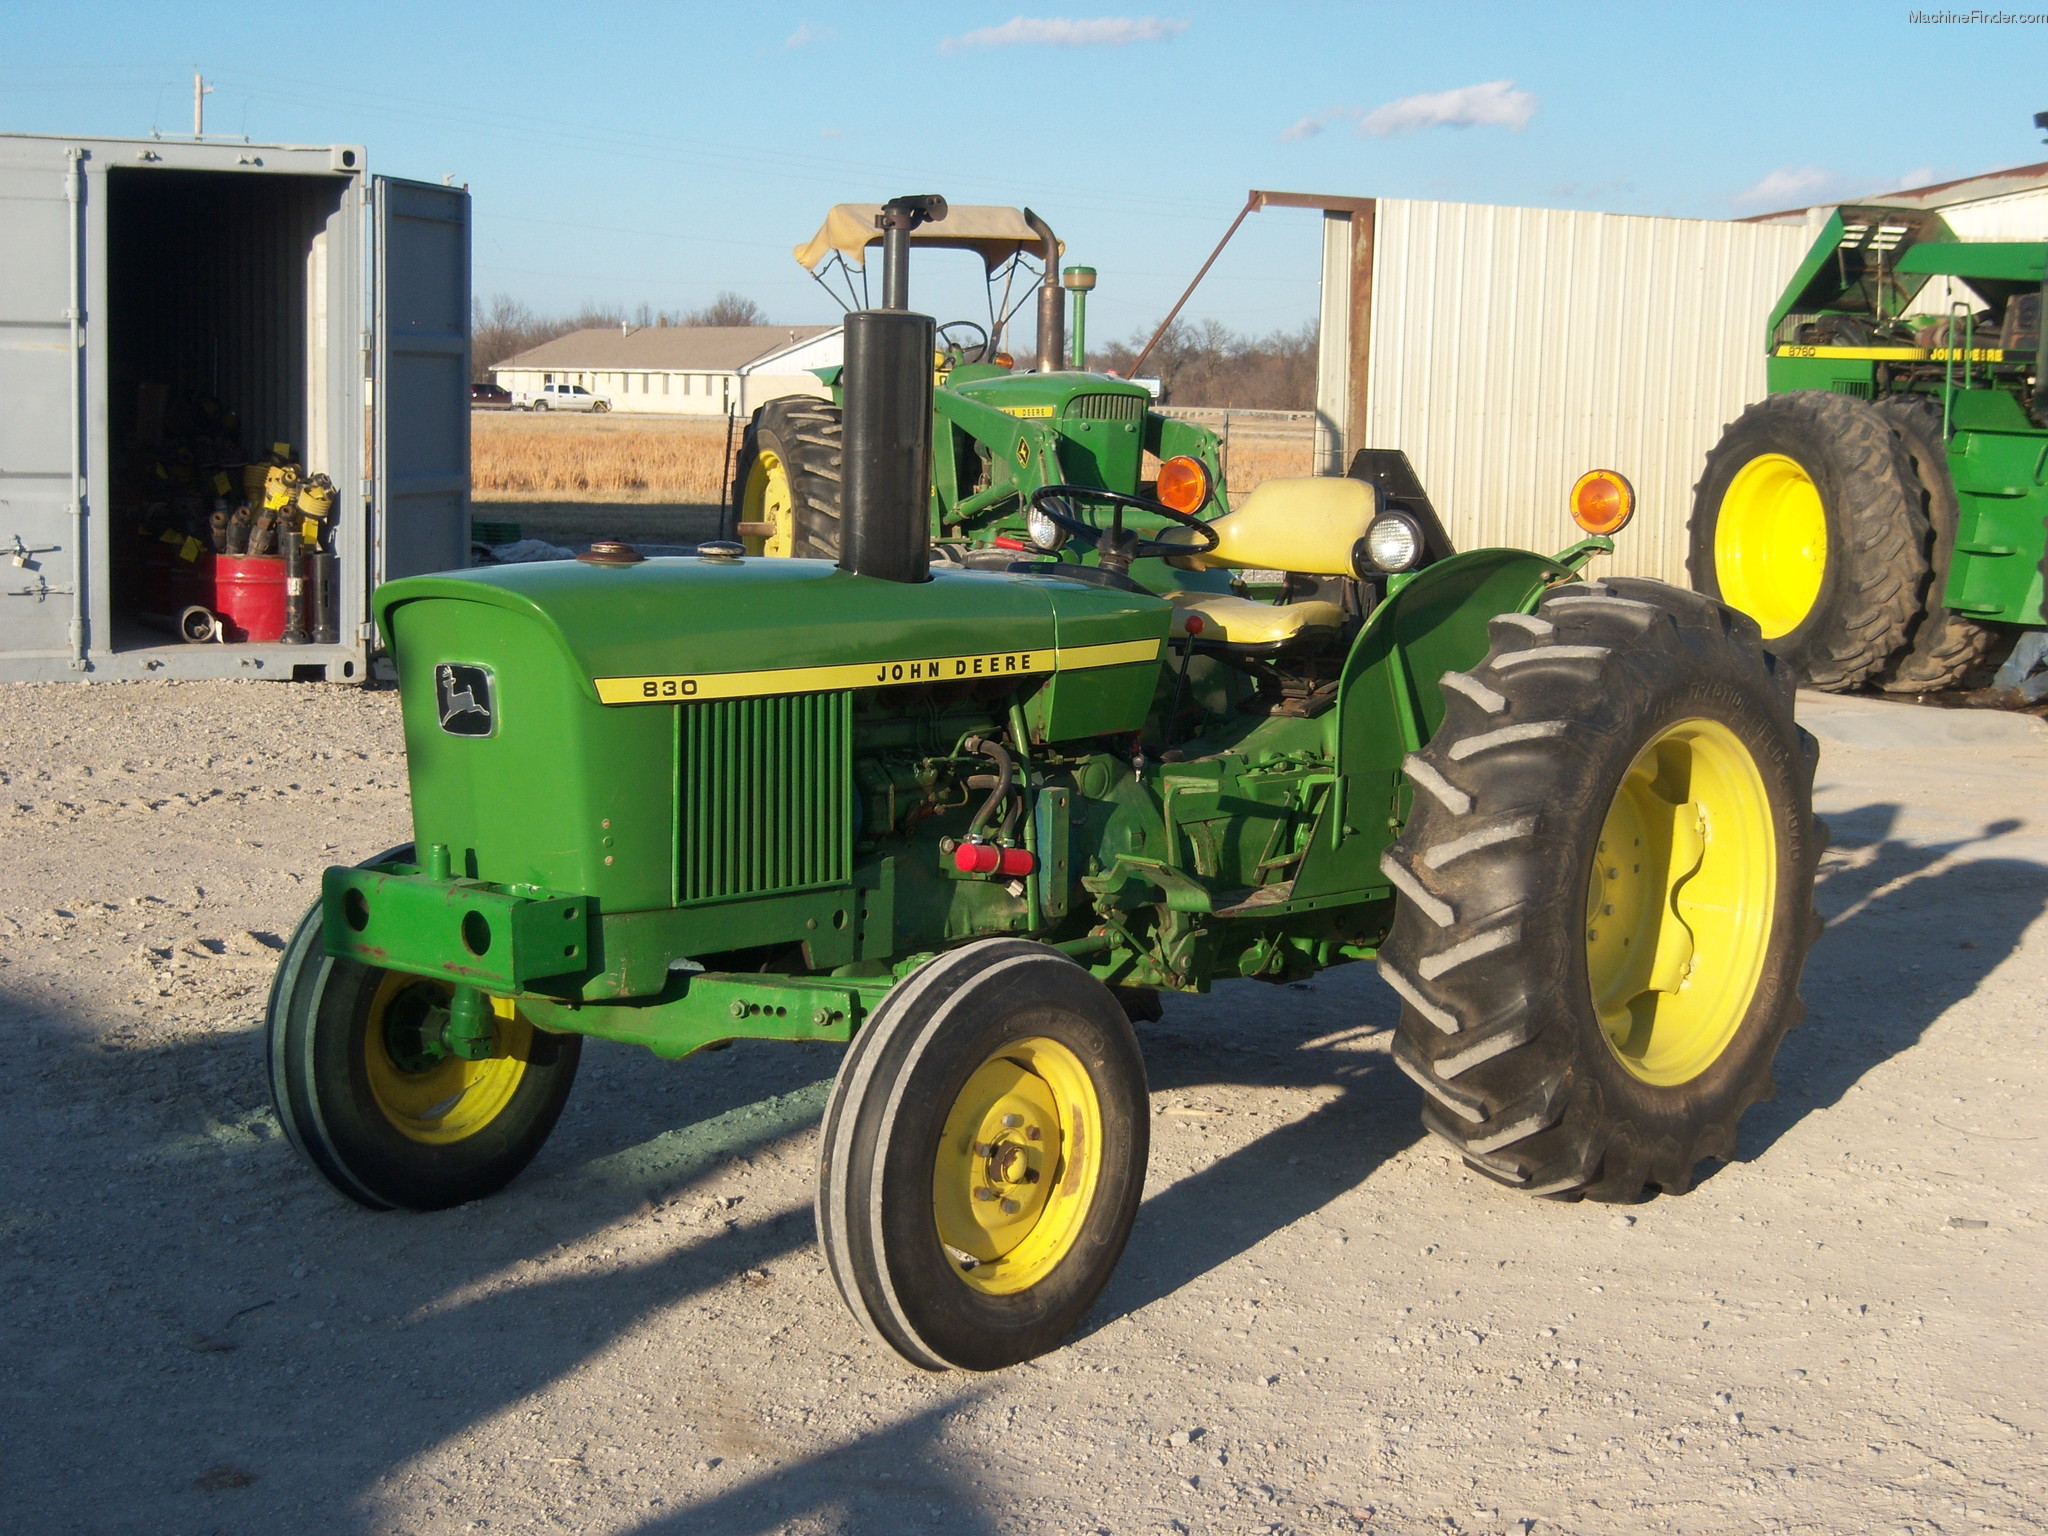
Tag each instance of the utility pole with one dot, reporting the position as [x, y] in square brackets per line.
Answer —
[200, 91]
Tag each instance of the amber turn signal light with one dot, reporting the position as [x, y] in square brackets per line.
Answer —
[1184, 484]
[1602, 501]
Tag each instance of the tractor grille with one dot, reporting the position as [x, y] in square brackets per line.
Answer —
[764, 796]
[1860, 388]
[1107, 408]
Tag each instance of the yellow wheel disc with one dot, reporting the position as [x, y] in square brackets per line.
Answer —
[1771, 543]
[1678, 909]
[1017, 1166]
[768, 499]
[446, 1099]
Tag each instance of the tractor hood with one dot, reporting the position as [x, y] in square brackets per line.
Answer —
[685, 628]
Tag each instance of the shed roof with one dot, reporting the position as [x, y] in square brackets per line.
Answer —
[707, 348]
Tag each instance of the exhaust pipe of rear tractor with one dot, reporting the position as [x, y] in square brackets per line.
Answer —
[1052, 301]
[885, 527]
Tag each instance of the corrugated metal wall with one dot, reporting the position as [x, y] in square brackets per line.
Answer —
[2016, 216]
[1512, 349]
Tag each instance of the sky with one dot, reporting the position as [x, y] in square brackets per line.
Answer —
[628, 153]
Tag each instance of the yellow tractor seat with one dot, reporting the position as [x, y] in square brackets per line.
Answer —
[1306, 525]
[1217, 618]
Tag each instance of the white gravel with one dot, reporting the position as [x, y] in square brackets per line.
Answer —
[1323, 1324]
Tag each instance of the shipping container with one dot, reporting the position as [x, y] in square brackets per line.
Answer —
[173, 312]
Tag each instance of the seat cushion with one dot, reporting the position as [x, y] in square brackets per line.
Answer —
[1219, 618]
[1307, 525]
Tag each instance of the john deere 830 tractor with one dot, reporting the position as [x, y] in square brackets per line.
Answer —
[972, 821]
[999, 433]
[1883, 509]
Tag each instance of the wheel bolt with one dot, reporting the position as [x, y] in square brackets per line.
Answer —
[1011, 1122]
[983, 1192]
[1010, 1207]
[1032, 1133]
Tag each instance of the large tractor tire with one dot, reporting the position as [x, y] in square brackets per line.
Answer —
[1605, 892]
[1809, 519]
[982, 1156]
[1945, 644]
[787, 479]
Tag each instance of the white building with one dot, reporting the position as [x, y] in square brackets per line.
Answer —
[688, 370]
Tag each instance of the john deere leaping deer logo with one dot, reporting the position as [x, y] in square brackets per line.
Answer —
[465, 698]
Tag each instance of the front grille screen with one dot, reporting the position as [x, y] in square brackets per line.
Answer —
[764, 796]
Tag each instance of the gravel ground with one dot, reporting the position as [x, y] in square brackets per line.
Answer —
[1323, 1324]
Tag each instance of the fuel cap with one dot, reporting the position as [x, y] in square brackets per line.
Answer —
[721, 551]
[611, 552]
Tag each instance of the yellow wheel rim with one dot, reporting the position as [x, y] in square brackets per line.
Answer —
[1771, 543]
[1018, 1166]
[1678, 909]
[447, 1099]
[768, 499]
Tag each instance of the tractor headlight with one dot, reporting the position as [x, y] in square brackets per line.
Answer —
[1045, 533]
[1393, 542]
[1184, 484]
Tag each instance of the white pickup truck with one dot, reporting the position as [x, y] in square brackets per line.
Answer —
[559, 397]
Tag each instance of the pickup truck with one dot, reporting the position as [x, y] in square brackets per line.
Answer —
[559, 397]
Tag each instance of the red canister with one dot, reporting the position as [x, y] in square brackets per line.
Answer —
[248, 594]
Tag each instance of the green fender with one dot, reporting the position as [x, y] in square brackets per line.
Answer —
[1389, 703]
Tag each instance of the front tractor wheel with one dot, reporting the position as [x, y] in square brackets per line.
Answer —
[1606, 892]
[786, 479]
[1810, 518]
[366, 1092]
[983, 1154]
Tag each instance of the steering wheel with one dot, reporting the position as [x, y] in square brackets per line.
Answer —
[979, 346]
[1116, 547]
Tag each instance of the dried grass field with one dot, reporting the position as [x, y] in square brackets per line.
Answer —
[516, 457]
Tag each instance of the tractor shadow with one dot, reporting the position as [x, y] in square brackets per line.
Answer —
[1913, 929]
[1246, 1034]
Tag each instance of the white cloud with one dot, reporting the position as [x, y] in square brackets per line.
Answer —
[806, 35]
[1496, 104]
[1309, 127]
[1065, 32]
[1791, 186]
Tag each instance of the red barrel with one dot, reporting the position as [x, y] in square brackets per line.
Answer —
[248, 594]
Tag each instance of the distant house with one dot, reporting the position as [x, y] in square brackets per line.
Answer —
[688, 370]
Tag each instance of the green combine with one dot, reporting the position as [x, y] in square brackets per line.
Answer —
[972, 822]
[998, 433]
[1881, 513]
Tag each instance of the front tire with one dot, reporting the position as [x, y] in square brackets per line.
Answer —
[1605, 892]
[1809, 519]
[384, 1122]
[983, 1155]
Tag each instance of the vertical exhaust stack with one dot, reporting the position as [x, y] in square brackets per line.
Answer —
[885, 530]
[1052, 301]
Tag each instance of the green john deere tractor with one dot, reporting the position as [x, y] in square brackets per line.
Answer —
[970, 822]
[998, 434]
[1881, 513]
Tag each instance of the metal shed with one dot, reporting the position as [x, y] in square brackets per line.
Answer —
[1508, 350]
[323, 307]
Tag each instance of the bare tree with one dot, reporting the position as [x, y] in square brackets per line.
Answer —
[728, 308]
[1207, 363]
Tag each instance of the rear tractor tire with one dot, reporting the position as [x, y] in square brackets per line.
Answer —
[1605, 892]
[382, 1116]
[982, 1157]
[786, 479]
[1945, 644]
[1810, 519]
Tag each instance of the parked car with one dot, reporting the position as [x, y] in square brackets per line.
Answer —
[490, 397]
[560, 397]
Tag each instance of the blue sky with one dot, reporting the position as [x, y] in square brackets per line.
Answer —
[628, 152]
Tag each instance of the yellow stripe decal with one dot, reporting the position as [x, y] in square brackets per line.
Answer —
[1032, 411]
[1898, 354]
[872, 674]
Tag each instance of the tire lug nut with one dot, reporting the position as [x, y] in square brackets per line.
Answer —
[1010, 1207]
[983, 1192]
[1011, 1122]
[1032, 1133]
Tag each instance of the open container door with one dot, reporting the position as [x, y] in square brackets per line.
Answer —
[42, 357]
[421, 367]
